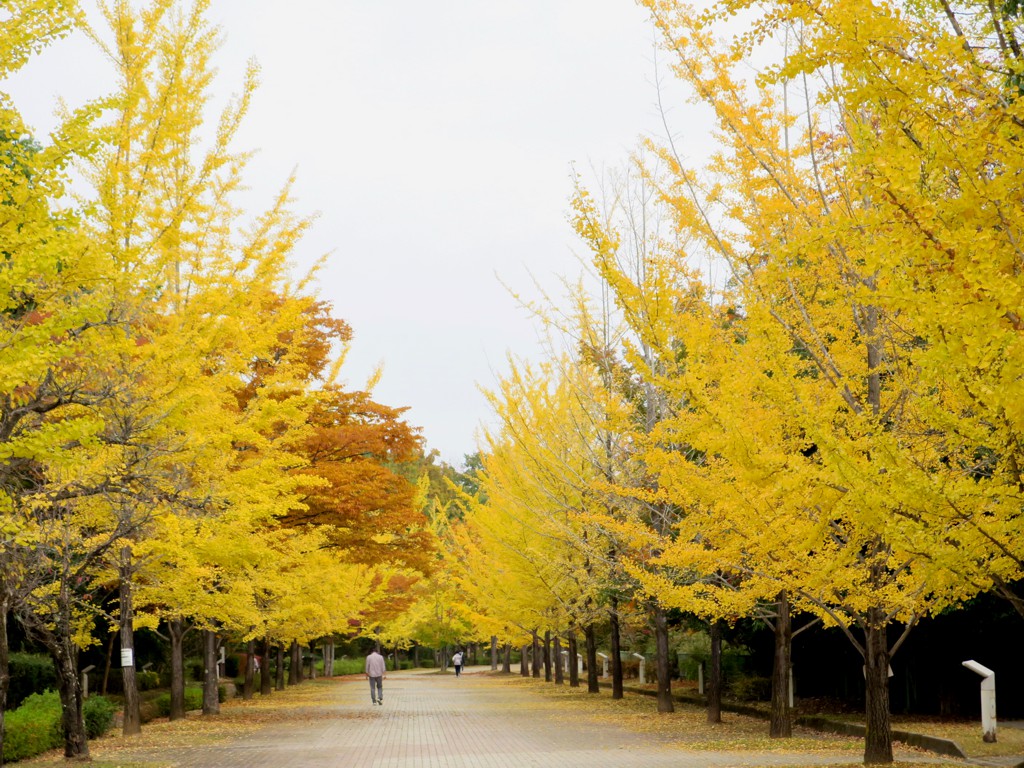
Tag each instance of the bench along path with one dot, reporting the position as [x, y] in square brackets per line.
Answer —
[431, 720]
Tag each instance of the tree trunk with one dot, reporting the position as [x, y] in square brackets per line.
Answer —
[416, 655]
[5, 668]
[312, 662]
[211, 676]
[65, 662]
[547, 655]
[536, 655]
[294, 662]
[616, 651]
[176, 631]
[715, 675]
[590, 634]
[574, 665]
[559, 677]
[329, 658]
[249, 685]
[132, 723]
[506, 659]
[106, 669]
[524, 669]
[661, 661]
[279, 668]
[265, 684]
[494, 653]
[878, 739]
[781, 725]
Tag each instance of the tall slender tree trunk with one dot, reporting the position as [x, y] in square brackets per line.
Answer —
[590, 635]
[211, 678]
[416, 655]
[295, 661]
[329, 658]
[65, 661]
[524, 669]
[132, 722]
[249, 684]
[878, 739]
[5, 663]
[312, 661]
[661, 661]
[266, 686]
[574, 666]
[176, 632]
[537, 660]
[279, 668]
[506, 660]
[106, 668]
[547, 655]
[781, 724]
[559, 677]
[616, 650]
[494, 653]
[715, 676]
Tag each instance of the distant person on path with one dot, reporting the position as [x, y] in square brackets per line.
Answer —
[457, 663]
[375, 669]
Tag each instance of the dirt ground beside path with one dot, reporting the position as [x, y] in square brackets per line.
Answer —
[476, 721]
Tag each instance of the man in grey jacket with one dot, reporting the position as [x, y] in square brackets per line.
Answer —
[375, 669]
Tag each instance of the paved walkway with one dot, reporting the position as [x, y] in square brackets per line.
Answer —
[431, 720]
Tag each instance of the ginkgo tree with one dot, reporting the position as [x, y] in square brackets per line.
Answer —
[834, 356]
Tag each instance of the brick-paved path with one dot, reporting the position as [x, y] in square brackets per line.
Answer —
[437, 721]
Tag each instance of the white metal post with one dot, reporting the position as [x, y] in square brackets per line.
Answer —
[642, 662]
[988, 699]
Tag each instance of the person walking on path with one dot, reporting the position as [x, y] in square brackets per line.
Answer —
[375, 669]
[457, 663]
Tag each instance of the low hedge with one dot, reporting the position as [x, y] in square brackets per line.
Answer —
[30, 673]
[193, 700]
[34, 727]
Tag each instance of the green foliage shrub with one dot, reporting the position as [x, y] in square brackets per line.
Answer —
[195, 668]
[751, 688]
[148, 680]
[349, 666]
[32, 728]
[98, 713]
[193, 700]
[30, 673]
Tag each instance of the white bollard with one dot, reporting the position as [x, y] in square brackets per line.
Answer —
[988, 700]
[643, 679]
[579, 663]
[604, 660]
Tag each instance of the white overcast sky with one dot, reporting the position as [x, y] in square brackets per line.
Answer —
[436, 142]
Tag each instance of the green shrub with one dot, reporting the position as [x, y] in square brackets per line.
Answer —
[195, 668]
[32, 728]
[193, 700]
[98, 713]
[349, 666]
[751, 688]
[147, 680]
[30, 673]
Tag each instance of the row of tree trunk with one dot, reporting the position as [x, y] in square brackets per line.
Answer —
[540, 651]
